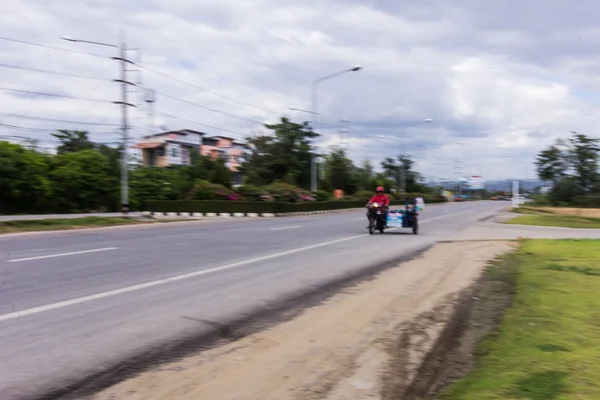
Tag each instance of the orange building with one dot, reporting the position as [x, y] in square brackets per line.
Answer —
[168, 149]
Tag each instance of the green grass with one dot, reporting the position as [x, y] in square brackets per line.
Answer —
[557, 220]
[66, 223]
[548, 345]
[532, 211]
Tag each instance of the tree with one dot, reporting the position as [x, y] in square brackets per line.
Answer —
[398, 170]
[552, 163]
[365, 175]
[583, 155]
[73, 141]
[185, 177]
[24, 185]
[340, 172]
[285, 155]
[148, 183]
[572, 167]
[221, 174]
[82, 181]
[576, 158]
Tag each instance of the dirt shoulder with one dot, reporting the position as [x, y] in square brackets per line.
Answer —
[345, 348]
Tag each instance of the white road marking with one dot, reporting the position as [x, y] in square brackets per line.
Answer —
[133, 288]
[189, 275]
[435, 218]
[286, 227]
[72, 253]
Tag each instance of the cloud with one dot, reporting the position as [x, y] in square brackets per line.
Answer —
[503, 78]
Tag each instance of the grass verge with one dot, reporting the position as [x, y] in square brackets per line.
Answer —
[532, 211]
[66, 223]
[548, 345]
[562, 221]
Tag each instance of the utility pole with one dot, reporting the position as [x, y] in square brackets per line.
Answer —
[313, 159]
[123, 62]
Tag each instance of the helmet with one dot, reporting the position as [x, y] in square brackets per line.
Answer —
[379, 189]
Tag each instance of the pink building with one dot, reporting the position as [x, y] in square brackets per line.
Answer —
[227, 149]
[174, 148]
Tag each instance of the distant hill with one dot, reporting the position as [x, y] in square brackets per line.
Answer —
[500, 185]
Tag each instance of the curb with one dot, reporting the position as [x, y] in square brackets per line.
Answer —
[250, 215]
[244, 215]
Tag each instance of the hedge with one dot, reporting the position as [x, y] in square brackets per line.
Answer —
[200, 206]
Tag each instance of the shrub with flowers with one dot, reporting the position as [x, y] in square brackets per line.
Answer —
[280, 192]
[204, 190]
[251, 192]
[285, 192]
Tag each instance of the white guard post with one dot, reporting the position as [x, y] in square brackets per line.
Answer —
[515, 194]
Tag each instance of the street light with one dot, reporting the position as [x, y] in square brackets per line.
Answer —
[72, 39]
[123, 61]
[314, 87]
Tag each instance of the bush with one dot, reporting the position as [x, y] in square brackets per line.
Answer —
[284, 192]
[251, 192]
[540, 200]
[204, 190]
[254, 206]
[363, 195]
[323, 195]
[588, 201]
[248, 206]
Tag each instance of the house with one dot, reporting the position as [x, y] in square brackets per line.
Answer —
[170, 148]
[175, 148]
[227, 149]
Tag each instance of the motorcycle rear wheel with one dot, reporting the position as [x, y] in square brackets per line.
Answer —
[415, 227]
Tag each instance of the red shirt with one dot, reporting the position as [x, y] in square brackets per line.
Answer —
[381, 199]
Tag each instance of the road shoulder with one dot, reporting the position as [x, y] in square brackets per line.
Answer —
[336, 350]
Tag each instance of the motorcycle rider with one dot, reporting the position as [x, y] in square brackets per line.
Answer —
[382, 199]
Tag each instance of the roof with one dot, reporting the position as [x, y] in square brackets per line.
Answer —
[180, 132]
[148, 145]
[220, 137]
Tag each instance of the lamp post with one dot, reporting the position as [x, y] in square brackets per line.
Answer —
[314, 88]
[402, 182]
[123, 61]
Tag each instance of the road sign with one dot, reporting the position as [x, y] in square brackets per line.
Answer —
[476, 182]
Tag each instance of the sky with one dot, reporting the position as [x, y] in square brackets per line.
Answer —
[500, 79]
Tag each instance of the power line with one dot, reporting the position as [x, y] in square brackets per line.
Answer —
[228, 98]
[208, 91]
[48, 130]
[208, 108]
[25, 128]
[45, 71]
[152, 71]
[54, 95]
[141, 66]
[51, 47]
[24, 139]
[56, 120]
[197, 123]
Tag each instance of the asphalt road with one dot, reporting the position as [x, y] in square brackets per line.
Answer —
[74, 303]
